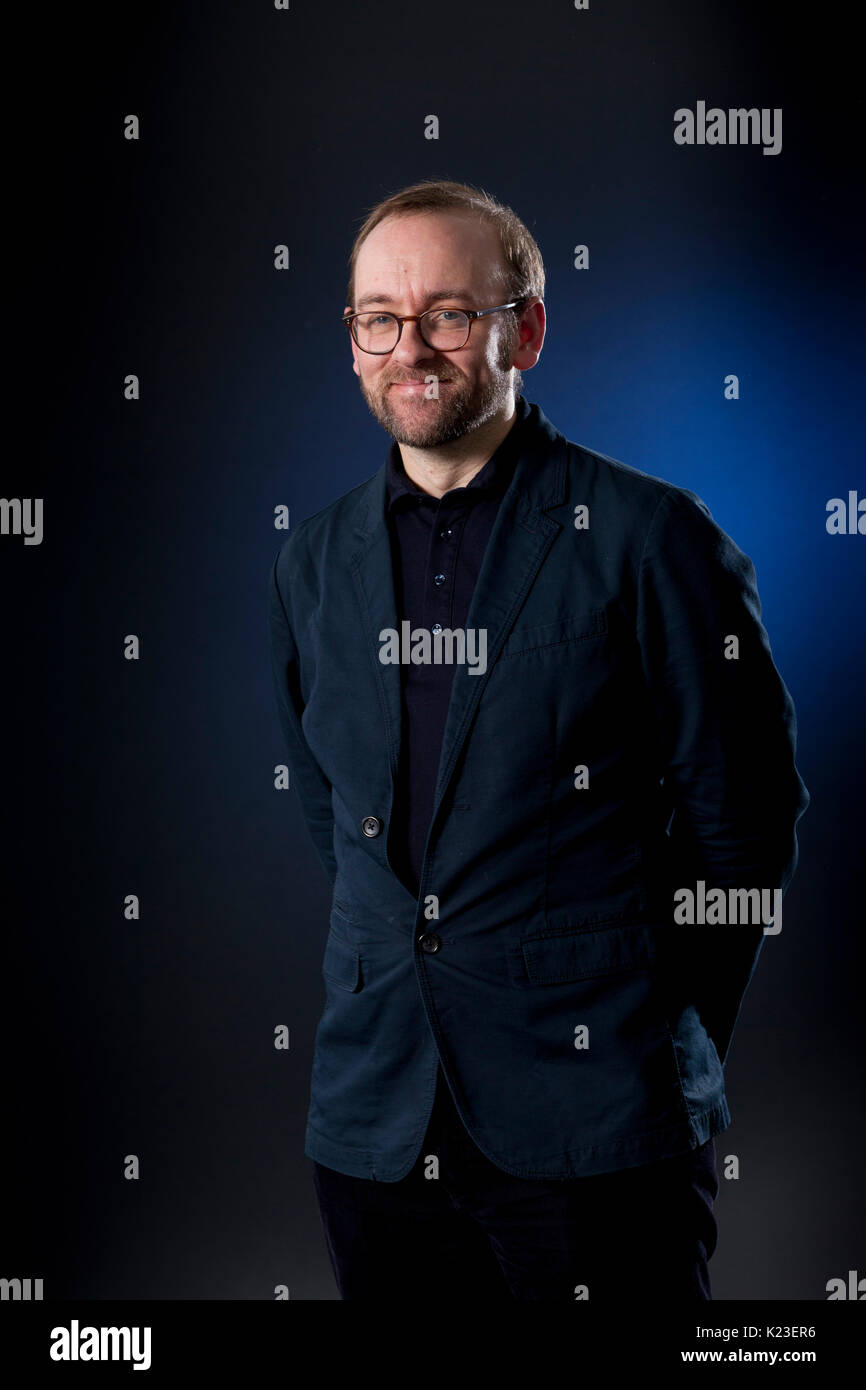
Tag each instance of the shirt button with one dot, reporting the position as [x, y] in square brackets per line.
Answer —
[439, 580]
[371, 825]
[430, 942]
[445, 532]
[437, 627]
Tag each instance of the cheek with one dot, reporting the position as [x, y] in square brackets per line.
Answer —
[497, 349]
[482, 361]
[369, 372]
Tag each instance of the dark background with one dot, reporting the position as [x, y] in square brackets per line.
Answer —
[155, 777]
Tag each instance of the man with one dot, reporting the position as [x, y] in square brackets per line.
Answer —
[530, 707]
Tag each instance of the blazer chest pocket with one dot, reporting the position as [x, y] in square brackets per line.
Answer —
[557, 958]
[341, 964]
[575, 629]
[344, 910]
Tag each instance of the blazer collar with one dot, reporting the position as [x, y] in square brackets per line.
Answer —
[538, 477]
[495, 475]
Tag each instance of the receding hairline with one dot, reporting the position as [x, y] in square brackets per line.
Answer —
[476, 217]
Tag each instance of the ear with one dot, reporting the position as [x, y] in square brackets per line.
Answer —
[533, 323]
[354, 345]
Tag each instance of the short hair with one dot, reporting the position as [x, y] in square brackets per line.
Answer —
[522, 269]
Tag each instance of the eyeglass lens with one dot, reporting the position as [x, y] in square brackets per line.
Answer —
[440, 328]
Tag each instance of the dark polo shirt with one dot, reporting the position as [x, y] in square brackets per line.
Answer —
[437, 545]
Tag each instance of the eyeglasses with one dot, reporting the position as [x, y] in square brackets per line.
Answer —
[444, 330]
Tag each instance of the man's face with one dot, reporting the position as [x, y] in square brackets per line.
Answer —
[423, 261]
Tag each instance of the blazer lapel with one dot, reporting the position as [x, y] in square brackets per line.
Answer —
[519, 540]
[373, 574]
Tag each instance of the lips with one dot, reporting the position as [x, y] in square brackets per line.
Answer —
[419, 385]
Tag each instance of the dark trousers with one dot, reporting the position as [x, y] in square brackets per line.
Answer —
[475, 1232]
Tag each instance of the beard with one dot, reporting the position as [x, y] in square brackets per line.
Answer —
[462, 407]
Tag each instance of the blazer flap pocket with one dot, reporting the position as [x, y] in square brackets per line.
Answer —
[580, 955]
[341, 964]
[574, 629]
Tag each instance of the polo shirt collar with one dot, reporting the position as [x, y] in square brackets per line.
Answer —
[494, 476]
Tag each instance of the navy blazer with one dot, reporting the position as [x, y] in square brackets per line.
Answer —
[580, 1027]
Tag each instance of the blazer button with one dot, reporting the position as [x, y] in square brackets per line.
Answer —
[371, 825]
[430, 942]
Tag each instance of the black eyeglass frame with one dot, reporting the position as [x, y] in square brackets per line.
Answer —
[471, 314]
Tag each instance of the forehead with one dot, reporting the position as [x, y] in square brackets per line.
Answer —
[426, 251]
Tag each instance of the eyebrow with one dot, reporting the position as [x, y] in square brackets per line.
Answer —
[431, 298]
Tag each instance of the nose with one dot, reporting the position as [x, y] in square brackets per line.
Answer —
[411, 347]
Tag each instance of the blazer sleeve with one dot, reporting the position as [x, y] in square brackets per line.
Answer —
[726, 731]
[307, 777]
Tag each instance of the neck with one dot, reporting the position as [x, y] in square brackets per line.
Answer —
[455, 464]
